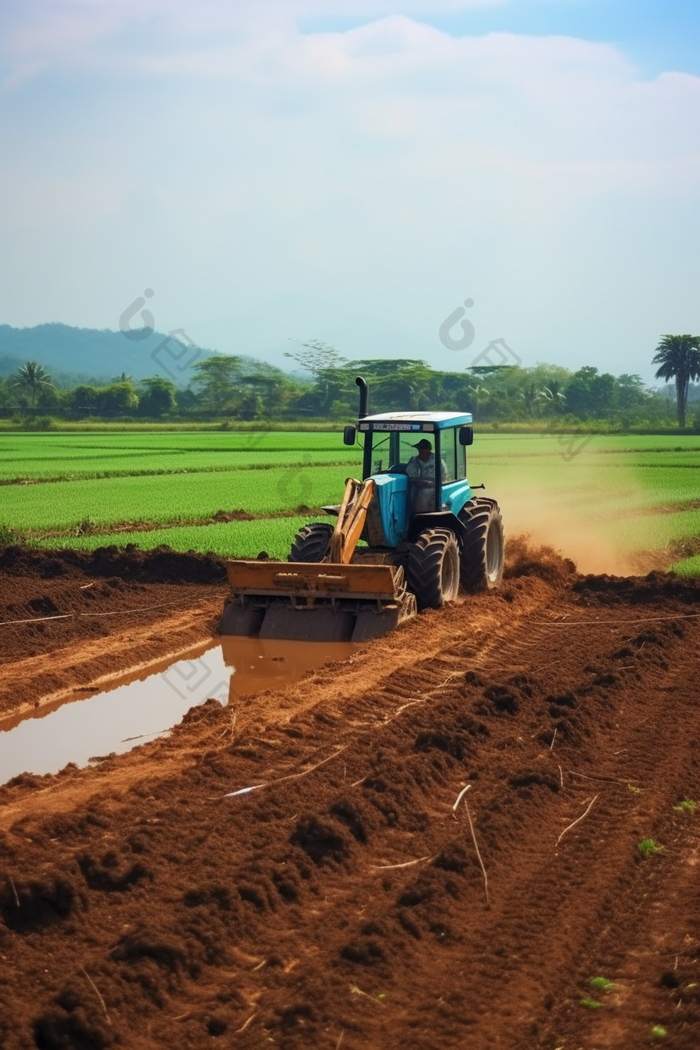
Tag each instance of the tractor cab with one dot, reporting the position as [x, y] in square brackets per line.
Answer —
[426, 537]
[418, 463]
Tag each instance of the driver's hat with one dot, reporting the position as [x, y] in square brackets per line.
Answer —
[423, 443]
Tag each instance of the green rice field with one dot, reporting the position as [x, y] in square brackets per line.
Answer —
[612, 503]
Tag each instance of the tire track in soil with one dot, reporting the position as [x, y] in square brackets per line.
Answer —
[310, 913]
[535, 905]
[380, 674]
[644, 899]
[610, 835]
[524, 963]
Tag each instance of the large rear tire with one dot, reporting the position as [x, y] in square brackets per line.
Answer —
[481, 564]
[432, 572]
[312, 542]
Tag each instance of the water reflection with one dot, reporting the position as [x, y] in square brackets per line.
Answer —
[141, 707]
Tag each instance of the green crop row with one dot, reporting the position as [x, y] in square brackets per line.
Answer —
[236, 539]
[141, 463]
[49, 444]
[688, 567]
[638, 492]
[169, 498]
[46, 457]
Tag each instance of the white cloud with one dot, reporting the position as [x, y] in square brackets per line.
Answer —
[227, 159]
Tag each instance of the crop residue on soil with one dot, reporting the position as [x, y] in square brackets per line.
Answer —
[343, 902]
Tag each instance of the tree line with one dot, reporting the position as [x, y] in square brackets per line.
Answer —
[237, 389]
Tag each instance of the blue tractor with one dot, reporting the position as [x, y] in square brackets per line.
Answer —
[411, 535]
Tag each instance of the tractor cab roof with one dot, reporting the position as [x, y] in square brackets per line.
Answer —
[415, 422]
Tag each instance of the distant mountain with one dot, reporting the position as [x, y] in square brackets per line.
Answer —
[74, 355]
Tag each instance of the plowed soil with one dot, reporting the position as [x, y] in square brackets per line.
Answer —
[358, 896]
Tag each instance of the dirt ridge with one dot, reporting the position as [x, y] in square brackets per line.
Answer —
[343, 903]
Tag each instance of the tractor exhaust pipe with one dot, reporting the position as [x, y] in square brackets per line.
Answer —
[364, 397]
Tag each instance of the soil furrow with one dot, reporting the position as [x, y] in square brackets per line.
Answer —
[343, 903]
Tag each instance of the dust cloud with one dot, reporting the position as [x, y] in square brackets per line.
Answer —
[592, 512]
[574, 534]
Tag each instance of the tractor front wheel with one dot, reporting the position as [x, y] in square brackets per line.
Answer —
[433, 568]
[481, 567]
[311, 542]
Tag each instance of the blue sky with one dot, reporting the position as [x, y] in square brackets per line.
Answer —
[353, 171]
[656, 36]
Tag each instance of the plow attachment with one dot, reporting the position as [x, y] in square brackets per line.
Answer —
[315, 601]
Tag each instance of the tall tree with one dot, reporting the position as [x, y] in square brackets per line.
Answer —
[33, 379]
[333, 378]
[117, 399]
[678, 357]
[317, 357]
[157, 398]
[218, 378]
[589, 394]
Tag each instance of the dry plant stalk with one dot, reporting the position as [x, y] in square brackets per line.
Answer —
[397, 712]
[476, 847]
[354, 990]
[289, 776]
[606, 780]
[424, 700]
[248, 1022]
[231, 727]
[14, 890]
[406, 864]
[577, 821]
[554, 737]
[460, 796]
[97, 993]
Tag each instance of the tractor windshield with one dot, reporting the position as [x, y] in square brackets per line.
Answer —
[390, 452]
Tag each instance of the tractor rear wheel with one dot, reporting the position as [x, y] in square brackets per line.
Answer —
[311, 542]
[481, 565]
[433, 568]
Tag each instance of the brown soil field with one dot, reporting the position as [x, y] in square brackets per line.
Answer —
[359, 897]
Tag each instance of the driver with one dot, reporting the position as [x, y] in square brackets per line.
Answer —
[421, 470]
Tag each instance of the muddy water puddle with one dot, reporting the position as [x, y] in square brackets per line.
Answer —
[90, 725]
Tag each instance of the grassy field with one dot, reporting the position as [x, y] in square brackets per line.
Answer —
[602, 500]
[58, 457]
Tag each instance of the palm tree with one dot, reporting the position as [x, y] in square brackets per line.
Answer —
[32, 378]
[679, 358]
[550, 398]
[478, 394]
